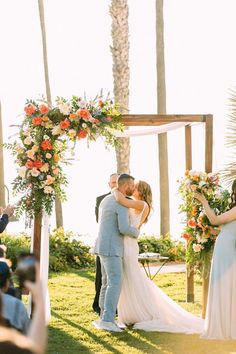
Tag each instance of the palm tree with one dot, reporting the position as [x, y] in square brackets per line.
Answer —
[120, 52]
[2, 186]
[161, 109]
[58, 205]
[229, 172]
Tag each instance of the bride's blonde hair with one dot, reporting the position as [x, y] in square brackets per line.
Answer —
[145, 193]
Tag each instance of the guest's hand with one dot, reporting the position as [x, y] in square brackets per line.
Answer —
[200, 197]
[9, 210]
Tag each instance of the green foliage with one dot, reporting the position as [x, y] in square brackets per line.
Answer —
[164, 245]
[199, 233]
[66, 251]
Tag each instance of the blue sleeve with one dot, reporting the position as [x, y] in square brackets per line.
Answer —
[3, 222]
[124, 223]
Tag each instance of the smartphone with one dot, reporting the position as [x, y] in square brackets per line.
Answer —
[26, 269]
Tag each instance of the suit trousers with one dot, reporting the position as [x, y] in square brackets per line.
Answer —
[98, 285]
[112, 273]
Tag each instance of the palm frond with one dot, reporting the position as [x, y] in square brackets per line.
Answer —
[228, 174]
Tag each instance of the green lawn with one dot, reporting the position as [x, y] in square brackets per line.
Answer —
[71, 331]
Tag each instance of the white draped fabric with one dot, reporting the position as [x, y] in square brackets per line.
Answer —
[151, 131]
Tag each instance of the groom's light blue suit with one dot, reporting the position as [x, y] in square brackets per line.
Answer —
[113, 225]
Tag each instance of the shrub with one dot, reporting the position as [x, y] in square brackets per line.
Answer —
[164, 245]
[66, 251]
[15, 246]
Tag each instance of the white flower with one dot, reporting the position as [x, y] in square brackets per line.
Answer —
[197, 248]
[48, 190]
[22, 171]
[56, 130]
[28, 140]
[46, 137]
[84, 125]
[202, 183]
[82, 104]
[72, 133]
[48, 155]
[34, 172]
[65, 108]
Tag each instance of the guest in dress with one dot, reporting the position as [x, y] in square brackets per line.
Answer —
[220, 322]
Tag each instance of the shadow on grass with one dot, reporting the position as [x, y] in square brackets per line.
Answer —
[126, 337]
[60, 342]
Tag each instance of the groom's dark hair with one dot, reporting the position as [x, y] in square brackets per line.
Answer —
[123, 178]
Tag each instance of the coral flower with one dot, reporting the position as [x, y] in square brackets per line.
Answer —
[30, 109]
[100, 103]
[45, 118]
[46, 145]
[37, 121]
[29, 164]
[186, 236]
[109, 119]
[192, 223]
[64, 124]
[38, 164]
[82, 134]
[84, 113]
[43, 109]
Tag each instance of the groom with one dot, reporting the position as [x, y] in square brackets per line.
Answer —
[113, 225]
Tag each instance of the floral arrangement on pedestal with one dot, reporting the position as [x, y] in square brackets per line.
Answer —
[198, 232]
[44, 136]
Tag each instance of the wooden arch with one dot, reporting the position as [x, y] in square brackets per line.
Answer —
[158, 120]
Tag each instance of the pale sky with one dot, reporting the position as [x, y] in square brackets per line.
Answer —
[200, 69]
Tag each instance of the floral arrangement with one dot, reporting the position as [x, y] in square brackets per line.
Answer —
[44, 137]
[199, 233]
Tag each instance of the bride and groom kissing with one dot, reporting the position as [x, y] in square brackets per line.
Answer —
[125, 286]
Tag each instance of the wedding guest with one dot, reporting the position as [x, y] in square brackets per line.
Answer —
[98, 276]
[220, 322]
[14, 311]
[6, 213]
[11, 341]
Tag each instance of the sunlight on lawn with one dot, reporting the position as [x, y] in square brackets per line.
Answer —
[71, 329]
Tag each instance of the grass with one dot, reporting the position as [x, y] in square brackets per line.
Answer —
[71, 331]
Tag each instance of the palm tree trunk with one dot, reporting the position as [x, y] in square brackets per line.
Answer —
[161, 109]
[58, 205]
[120, 52]
[2, 185]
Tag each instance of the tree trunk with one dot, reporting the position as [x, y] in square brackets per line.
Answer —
[58, 204]
[2, 185]
[120, 52]
[161, 109]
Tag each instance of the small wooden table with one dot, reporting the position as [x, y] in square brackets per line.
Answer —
[147, 257]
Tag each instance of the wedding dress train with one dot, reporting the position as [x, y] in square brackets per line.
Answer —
[143, 304]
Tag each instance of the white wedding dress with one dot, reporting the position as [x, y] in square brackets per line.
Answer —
[143, 304]
[220, 320]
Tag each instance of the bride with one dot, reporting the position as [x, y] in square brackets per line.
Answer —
[141, 303]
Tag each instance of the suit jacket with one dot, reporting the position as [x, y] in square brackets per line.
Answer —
[113, 225]
[98, 201]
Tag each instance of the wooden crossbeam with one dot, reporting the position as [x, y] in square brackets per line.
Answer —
[159, 119]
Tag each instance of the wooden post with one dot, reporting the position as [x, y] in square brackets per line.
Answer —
[208, 168]
[37, 234]
[188, 164]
